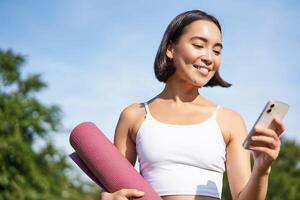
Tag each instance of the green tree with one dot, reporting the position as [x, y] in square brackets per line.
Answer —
[26, 173]
[284, 182]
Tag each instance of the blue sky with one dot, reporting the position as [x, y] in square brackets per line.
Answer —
[97, 56]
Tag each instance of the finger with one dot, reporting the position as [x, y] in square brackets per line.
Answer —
[265, 131]
[104, 195]
[279, 125]
[262, 140]
[132, 193]
[271, 153]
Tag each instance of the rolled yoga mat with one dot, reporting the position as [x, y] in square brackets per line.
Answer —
[104, 164]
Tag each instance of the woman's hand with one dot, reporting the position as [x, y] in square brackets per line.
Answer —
[123, 194]
[265, 145]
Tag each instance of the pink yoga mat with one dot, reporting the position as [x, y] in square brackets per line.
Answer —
[103, 162]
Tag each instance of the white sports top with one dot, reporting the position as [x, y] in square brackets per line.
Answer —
[182, 159]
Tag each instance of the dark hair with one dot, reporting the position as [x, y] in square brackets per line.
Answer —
[163, 66]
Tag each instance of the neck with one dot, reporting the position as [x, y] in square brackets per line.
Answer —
[179, 91]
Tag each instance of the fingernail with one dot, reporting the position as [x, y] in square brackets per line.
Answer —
[141, 192]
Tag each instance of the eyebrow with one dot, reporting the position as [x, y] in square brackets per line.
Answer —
[205, 40]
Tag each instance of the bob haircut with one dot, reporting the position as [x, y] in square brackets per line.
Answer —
[163, 66]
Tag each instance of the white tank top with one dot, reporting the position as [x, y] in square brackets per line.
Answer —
[182, 159]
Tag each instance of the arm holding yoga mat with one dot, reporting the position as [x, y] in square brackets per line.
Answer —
[103, 162]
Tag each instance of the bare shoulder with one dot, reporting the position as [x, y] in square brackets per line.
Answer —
[123, 134]
[230, 115]
[132, 111]
[231, 123]
[133, 115]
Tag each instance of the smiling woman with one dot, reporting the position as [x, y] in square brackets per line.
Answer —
[198, 46]
[184, 142]
[164, 66]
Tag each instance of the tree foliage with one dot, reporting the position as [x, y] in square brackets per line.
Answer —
[284, 180]
[26, 173]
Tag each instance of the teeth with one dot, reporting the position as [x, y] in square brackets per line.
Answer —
[203, 68]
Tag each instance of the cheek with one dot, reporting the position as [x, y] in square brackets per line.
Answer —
[218, 62]
[187, 55]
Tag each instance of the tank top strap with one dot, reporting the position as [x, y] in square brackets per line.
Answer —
[215, 113]
[147, 108]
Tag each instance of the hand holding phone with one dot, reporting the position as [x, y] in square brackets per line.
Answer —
[266, 118]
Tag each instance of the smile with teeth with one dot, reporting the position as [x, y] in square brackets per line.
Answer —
[202, 69]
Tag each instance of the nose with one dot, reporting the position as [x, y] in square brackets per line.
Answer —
[207, 57]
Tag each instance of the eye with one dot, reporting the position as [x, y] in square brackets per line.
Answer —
[198, 46]
[217, 52]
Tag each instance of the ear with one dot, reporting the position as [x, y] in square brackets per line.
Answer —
[170, 51]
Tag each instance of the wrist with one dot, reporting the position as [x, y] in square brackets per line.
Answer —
[262, 172]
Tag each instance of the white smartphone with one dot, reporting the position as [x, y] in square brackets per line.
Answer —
[271, 110]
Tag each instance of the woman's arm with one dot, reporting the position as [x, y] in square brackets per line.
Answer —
[123, 134]
[237, 158]
[245, 185]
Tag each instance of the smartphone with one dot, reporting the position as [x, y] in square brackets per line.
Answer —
[271, 110]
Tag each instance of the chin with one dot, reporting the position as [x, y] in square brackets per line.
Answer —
[199, 84]
[202, 81]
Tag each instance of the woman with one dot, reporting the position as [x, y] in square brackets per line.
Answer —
[185, 141]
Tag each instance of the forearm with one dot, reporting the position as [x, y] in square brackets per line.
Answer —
[257, 186]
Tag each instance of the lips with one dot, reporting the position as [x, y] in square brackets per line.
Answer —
[202, 68]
